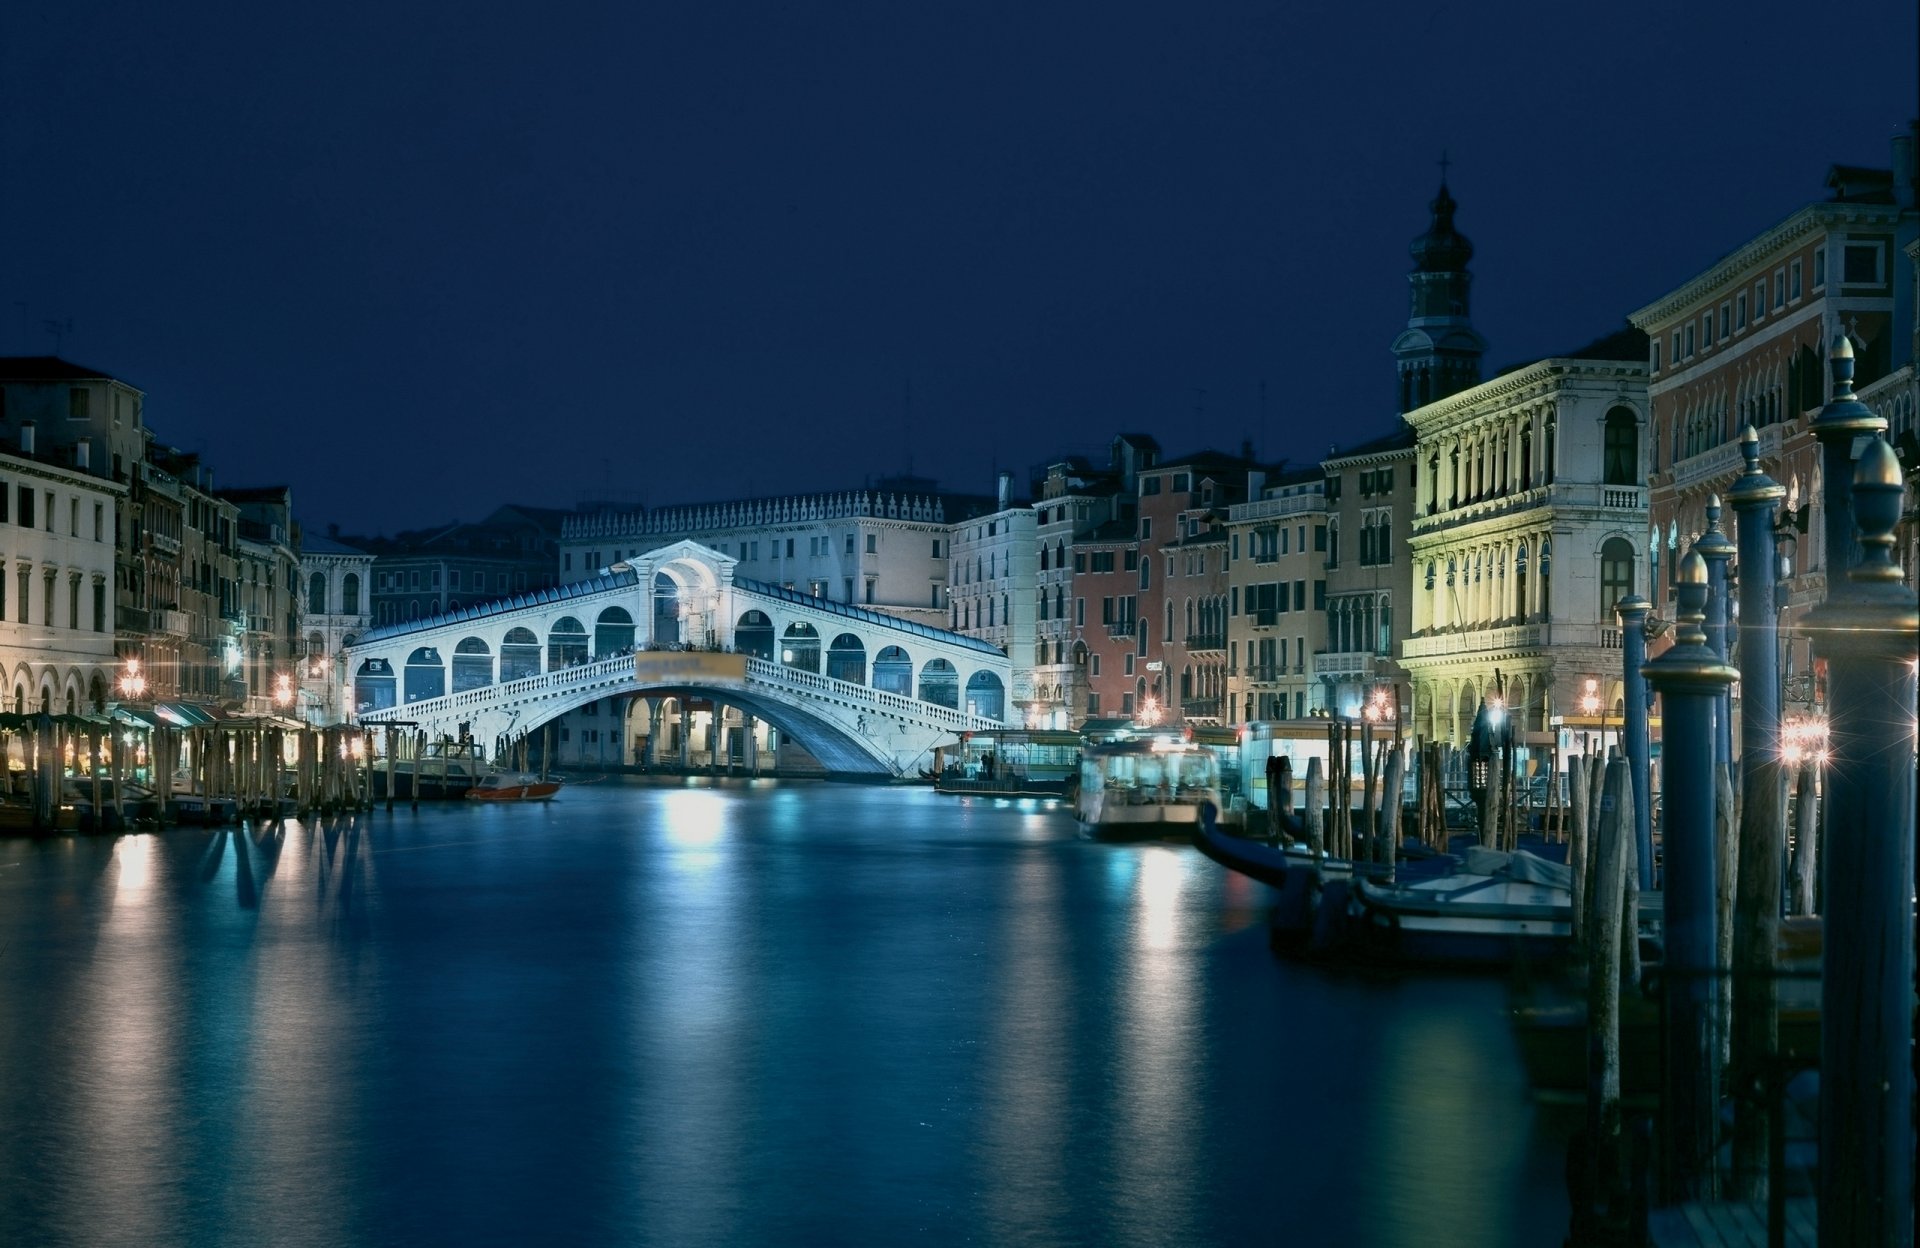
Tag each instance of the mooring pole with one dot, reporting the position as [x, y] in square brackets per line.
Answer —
[1714, 547]
[1632, 611]
[1870, 635]
[1689, 678]
[1763, 839]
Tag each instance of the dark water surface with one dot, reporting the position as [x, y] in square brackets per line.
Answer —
[778, 1014]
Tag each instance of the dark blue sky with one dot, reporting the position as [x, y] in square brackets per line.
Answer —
[416, 262]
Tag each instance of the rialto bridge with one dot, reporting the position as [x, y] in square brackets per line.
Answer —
[864, 692]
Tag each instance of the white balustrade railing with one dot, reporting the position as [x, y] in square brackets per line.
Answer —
[1513, 637]
[618, 670]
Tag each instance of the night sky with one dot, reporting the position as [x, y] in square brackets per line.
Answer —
[416, 261]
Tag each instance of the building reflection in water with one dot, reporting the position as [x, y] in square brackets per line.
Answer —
[1027, 1086]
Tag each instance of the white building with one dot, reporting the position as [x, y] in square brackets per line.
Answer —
[1530, 510]
[57, 528]
[992, 591]
[881, 548]
[336, 607]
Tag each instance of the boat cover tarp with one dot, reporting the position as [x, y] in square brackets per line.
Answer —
[1519, 866]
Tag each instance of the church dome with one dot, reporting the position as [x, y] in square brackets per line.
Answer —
[1442, 249]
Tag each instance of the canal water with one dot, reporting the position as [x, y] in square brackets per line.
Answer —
[777, 1013]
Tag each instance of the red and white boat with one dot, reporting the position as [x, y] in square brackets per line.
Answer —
[512, 786]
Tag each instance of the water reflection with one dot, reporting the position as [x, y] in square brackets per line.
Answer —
[709, 1015]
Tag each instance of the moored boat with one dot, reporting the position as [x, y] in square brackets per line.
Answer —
[512, 786]
[1145, 788]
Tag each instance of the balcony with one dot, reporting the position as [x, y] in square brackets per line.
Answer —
[1343, 663]
[1268, 508]
[1724, 462]
[171, 622]
[1206, 641]
[1265, 673]
[1120, 628]
[1200, 708]
[1510, 638]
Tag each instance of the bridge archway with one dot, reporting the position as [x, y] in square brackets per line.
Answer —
[986, 695]
[612, 632]
[472, 665]
[800, 646]
[940, 683]
[426, 675]
[373, 687]
[753, 634]
[893, 671]
[566, 643]
[847, 659]
[519, 654]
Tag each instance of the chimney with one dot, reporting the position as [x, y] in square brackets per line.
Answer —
[26, 437]
[1006, 488]
[1256, 482]
[83, 454]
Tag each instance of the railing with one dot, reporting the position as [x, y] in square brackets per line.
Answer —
[1206, 641]
[1120, 628]
[1268, 508]
[1201, 708]
[1265, 673]
[1724, 460]
[1342, 663]
[618, 670]
[1512, 637]
[174, 623]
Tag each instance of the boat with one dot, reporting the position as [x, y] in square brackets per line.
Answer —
[1015, 762]
[447, 770]
[513, 786]
[1145, 788]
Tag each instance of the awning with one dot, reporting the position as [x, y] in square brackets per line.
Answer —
[181, 715]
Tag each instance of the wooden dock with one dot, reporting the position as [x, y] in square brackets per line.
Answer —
[1704, 1224]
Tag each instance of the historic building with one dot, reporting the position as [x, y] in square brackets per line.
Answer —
[1073, 502]
[267, 598]
[56, 575]
[336, 609]
[884, 547]
[1276, 595]
[1370, 490]
[1528, 510]
[992, 567]
[426, 572]
[1746, 342]
[1182, 511]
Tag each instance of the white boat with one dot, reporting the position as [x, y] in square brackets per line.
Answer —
[1145, 788]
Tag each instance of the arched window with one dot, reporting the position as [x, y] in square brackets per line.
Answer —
[753, 634]
[426, 675]
[317, 594]
[373, 686]
[800, 647]
[566, 643]
[472, 665]
[847, 659]
[1621, 462]
[893, 671]
[940, 684]
[986, 695]
[350, 594]
[1616, 573]
[612, 632]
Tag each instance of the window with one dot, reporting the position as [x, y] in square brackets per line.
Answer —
[99, 606]
[1726, 321]
[873, 544]
[1760, 299]
[1146, 573]
[1146, 528]
[1676, 352]
[1689, 341]
[1149, 485]
[77, 399]
[1181, 482]
[1706, 330]
[1779, 289]
[1093, 702]
[936, 548]
[789, 548]
[99, 522]
[1080, 612]
[1300, 595]
[1093, 665]
[1621, 460]
[1860, 264]
[1740, 311]
[1654, 362]
[1616, 573]
[849, 548]
[1819, 268]
[47, 514]
[1793, 280]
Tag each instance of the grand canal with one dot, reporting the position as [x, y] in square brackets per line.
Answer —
[685, 1015]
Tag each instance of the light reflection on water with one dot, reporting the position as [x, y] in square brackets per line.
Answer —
[688, 1015]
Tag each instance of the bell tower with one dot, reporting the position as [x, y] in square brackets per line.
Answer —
[1439, 352]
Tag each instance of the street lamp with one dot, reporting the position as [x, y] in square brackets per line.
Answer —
[283, 691]
[1378, 710]
[1149, 712]
[132, 683]
[1590, 707]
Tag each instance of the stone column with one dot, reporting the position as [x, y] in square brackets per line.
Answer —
[750, 747]
[686, 734]
[1689, 678]
[1869, 634]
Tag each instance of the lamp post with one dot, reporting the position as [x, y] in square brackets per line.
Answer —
[132, 684]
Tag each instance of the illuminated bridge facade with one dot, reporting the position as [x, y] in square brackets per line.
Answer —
[864, 692]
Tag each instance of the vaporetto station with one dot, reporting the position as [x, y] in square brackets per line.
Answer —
[671, 657]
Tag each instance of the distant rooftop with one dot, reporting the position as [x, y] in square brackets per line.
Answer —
[47, 368]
